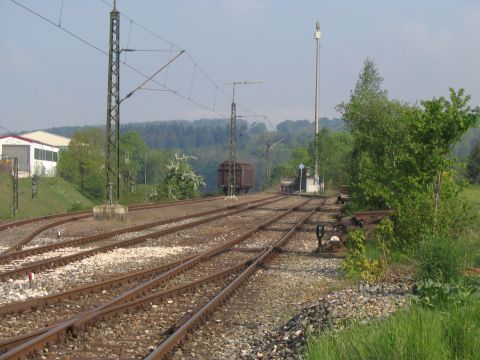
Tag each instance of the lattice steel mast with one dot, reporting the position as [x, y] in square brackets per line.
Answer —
[317, 94]
[112, 165]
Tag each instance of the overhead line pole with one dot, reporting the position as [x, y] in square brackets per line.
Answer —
[232, 163]
[317, 94]
[112, 164]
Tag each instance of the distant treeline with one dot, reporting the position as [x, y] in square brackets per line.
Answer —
[180, 134]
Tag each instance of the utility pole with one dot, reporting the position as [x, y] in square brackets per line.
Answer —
[317, 94]
[267, 158]
[232, 162]
[113, 110]
[15, 187]
[233, 147]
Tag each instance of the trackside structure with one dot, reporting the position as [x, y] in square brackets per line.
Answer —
[34, 157]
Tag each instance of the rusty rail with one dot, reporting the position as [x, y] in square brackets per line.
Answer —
[89, 212]
[56, 333]
[60, 261]
[6, 257]
[173, 340]
[37, 303]
[91, 316]
[85, 215]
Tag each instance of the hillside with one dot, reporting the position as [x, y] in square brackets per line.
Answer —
[208, 140]
[178, 134]
[55, 195]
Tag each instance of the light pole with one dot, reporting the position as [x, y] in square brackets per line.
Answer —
[233, 139]
[317, 94]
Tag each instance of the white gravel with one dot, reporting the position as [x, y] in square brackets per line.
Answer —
[84, 271]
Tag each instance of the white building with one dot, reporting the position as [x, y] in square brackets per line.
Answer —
[34, 157]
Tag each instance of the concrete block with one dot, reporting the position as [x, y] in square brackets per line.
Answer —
[110, 212]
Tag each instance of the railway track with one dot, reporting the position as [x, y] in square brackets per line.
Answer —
[71, 217]
[85, 212]
[226, 269]
[10, 270]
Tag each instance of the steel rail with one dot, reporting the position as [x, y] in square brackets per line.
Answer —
[17, 246]
[176, 337]
[89, 212]
[91, 316]
[57, 333]
[6, 257]
[90, 288]
[60, 261]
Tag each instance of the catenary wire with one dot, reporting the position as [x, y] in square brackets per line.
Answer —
[88, 43]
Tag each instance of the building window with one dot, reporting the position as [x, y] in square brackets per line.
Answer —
[46, 155]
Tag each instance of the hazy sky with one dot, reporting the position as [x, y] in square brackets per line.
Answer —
[48, 78]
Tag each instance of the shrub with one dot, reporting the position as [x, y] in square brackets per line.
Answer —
[76, 206]
[357, 265]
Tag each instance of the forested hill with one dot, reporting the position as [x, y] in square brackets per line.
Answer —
[179, 134]
[208, 141]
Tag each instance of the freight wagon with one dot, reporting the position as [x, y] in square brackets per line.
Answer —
[244, 177]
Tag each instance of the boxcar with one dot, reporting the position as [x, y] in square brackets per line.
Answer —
[244, 177]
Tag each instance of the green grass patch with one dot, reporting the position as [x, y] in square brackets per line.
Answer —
[472, 193]
[55, 195]
[413, 333]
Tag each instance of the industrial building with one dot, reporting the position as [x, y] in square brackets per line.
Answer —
[34, 157]
[48, 138]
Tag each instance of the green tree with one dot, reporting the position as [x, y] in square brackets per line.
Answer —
[437, 127]
[473, 164]
[379, 158]
[81, 161]
[334, 153]
[133, 153]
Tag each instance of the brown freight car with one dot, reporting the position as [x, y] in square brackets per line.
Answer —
[244, 177]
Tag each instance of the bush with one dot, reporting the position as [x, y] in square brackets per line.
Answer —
[357, 265]
[76, 206]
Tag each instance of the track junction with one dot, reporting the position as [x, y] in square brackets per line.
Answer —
[153, 310]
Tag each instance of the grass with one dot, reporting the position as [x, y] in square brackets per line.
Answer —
[55, 195]
[413, 333]
[448, 330]
[472, 236]
[472, 193]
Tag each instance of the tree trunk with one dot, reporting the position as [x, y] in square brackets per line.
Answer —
[436, 188]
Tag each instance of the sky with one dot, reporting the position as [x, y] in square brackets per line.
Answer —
[48, 78]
